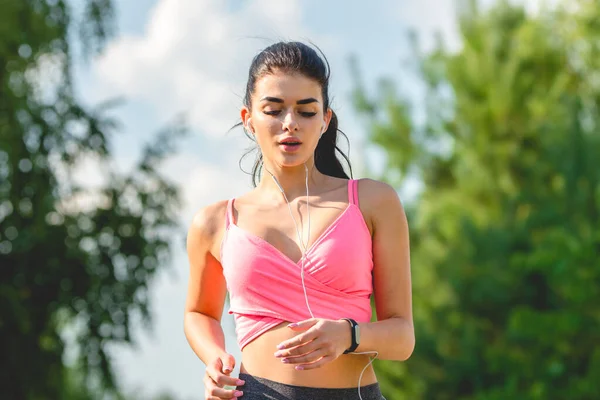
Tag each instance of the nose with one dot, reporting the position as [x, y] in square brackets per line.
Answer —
[289, 122]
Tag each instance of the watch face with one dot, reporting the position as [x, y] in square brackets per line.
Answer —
[357, 331]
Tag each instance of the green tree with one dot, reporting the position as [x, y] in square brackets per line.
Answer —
[505, 238]
[73, 258]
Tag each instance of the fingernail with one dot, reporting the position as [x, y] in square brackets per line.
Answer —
[227, 369]
[299, 367]
[239, 382]
[292, 325]
[278, 354]
[238, 393]
[285, 360]
[280, 347]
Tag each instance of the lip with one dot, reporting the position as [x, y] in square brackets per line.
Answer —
[290, 139]
[288, 148]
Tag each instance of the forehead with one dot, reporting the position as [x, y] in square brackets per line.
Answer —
[287, 86]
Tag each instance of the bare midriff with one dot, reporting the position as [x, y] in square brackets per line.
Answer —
[258, 359]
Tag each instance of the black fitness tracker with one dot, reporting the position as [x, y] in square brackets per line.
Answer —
[355, 330]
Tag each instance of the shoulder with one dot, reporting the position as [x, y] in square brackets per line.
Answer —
[378, 200]
[207, 225]
[376, 193]
[208, 219]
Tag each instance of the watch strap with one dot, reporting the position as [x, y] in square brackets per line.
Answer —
[355, 335]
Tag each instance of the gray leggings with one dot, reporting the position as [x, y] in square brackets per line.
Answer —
[257, 388]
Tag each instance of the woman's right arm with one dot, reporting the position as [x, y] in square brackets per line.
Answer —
[205, 301]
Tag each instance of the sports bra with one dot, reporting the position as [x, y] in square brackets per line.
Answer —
[265, 286]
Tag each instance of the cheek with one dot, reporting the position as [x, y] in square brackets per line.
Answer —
[264, 131]
[266, 125]
[273, 126]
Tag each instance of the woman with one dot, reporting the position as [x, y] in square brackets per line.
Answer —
[300, 255]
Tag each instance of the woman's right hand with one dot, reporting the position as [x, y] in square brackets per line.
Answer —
[217, 376]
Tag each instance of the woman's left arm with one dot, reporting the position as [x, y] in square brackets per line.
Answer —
[392, 335]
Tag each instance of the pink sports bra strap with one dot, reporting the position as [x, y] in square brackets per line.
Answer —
[229, 213]
[353, 191]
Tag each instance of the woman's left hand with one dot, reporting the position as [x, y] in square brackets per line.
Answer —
[320, 342]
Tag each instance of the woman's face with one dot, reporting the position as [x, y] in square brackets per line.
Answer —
[287, 117]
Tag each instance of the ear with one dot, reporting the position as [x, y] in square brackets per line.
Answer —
[246, 119]
[326, 119]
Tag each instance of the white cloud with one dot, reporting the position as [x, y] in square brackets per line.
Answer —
[429, 17]
[202, 183]
[194, 57]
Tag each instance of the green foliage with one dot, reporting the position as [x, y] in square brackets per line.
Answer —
[505, 238]
[74, 258]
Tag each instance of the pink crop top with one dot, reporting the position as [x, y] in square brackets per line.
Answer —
[265, 286]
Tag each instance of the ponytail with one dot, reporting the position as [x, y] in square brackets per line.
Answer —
[326, 160]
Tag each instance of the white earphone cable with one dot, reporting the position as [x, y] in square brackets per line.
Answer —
[300, 238]
[304, 249]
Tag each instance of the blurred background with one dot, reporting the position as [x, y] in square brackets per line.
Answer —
[115, 122]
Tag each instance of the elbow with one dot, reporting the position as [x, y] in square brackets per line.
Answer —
[407, 348]
[401, 344]
[190, 322]
[187, 315]
[186, 324]
[406, 344]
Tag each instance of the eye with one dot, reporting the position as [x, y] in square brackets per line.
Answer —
[308, 114]
[272, 112]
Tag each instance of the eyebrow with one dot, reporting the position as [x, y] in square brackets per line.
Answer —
[278, 100]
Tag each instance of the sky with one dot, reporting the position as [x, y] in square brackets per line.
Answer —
[188, 56]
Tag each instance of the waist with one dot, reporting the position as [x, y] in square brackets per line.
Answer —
[258, 359]
[257, 388]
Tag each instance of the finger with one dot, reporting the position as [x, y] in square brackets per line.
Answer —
[227, 363]
[208, 382]
[303, 325]
[213, 391]
[314, 365]
[299, 350]
[298, 340]
[311, 357]
[221, 379]
[220, 393]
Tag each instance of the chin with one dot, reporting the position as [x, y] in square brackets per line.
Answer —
[291, 161]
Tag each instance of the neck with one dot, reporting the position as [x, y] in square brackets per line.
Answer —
[291, 179]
